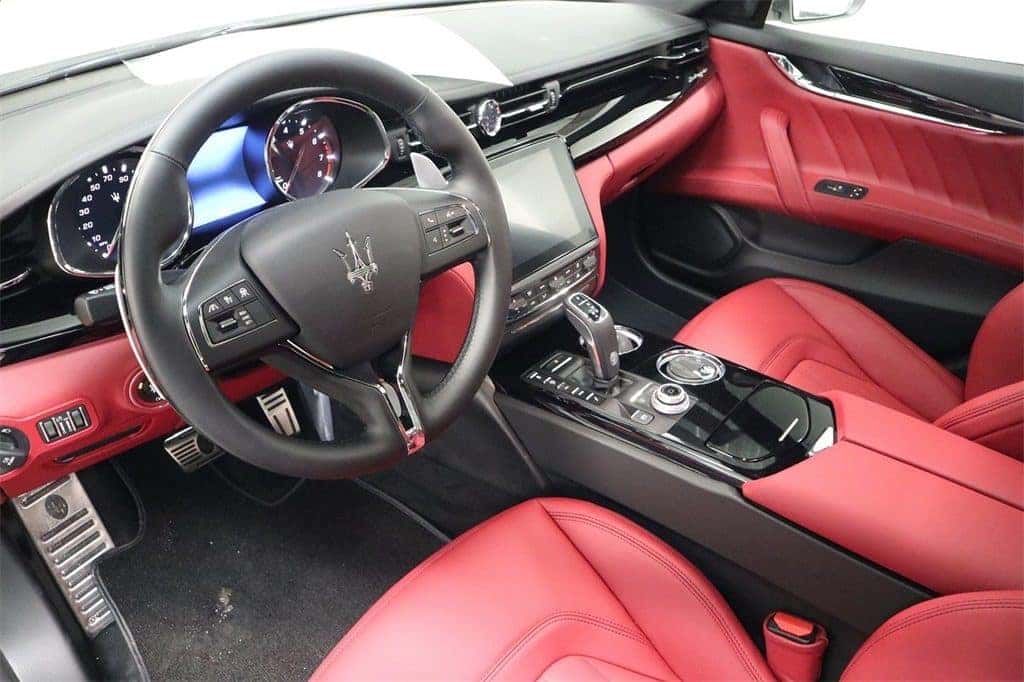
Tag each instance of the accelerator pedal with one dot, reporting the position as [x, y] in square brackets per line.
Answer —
[70, 536]
[190, 450]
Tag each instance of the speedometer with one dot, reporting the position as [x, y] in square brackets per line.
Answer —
[85, 216]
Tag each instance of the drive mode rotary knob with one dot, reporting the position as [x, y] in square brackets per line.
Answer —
[671, 399]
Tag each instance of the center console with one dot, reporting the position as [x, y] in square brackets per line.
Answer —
[554, 241]
[702, 411]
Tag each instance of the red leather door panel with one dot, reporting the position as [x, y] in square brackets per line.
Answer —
[946, 186]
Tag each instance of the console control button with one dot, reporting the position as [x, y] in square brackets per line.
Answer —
[641, 417]
[63, 424]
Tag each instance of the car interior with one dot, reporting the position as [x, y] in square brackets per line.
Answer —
[524, 339]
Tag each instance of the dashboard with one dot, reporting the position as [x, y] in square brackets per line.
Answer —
[557, 102]
[313, 145]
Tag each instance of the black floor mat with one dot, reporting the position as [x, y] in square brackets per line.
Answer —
[223, 588]
[633, 310]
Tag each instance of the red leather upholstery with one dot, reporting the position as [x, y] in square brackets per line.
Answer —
[559, 590]
[997, 356]
[927, 181]
[961, 637]
[550, 589]
[994, 419]
[933, 507]
[820, 340]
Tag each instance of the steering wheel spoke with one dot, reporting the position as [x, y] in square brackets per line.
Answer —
[389, 407]
[229, 315]
[452, 227]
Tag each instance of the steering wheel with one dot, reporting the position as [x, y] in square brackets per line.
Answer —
[329, 284]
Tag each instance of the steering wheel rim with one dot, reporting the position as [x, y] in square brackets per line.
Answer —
[162, 318]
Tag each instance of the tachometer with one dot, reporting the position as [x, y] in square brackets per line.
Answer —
[303, 151]
[85, 215]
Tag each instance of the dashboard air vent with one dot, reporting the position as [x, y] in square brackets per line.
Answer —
[16, 261]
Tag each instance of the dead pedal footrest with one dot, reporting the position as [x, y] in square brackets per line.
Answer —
[70, 536]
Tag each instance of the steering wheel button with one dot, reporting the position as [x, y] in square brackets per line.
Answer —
[227, 324]
[434, 242]
[429, 220]
[452, 213]
[227, 299]
[243, 292]
[212, 309]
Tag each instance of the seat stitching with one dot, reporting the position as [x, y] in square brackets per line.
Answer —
[681, 577]
[872, 317]
[980, 409]
[563, 616]
[608, 587]
[928, 615]
[916, 353]
[777, 352]
[390, 595]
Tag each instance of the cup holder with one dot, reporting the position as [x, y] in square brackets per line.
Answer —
[629, 339]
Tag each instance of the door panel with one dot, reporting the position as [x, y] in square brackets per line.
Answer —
[775, 142]
[936, 297]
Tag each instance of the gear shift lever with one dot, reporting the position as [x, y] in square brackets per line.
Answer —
[595, 325]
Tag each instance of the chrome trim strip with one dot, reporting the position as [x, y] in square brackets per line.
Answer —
[330, 100]
[16, 280]
[51, 227]
[129, 330]
[794, 74]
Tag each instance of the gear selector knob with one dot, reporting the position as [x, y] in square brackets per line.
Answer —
[597, 328]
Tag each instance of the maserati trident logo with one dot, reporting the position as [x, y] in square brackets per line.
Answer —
[359, 270]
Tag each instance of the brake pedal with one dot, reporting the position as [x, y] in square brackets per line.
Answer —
[278, 410]
[190, 450]
[70, 536]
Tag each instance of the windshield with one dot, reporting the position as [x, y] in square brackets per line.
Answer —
[43, 40]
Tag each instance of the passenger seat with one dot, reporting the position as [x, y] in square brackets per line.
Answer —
[820, 340]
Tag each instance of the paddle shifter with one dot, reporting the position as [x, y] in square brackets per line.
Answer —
[595, 325]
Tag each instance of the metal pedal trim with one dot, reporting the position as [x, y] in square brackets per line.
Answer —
[70, 537]
[278, 410]
[190, 450]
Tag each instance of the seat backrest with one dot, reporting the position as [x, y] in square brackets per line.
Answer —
[972, 636]
[997, 356]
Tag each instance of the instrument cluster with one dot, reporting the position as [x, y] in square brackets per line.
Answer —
[313, 146]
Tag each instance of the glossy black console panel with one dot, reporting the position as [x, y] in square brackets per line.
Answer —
[740, 426]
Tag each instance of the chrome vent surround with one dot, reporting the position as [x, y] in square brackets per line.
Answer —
[70, 536]
[15, 259]
[521, 103]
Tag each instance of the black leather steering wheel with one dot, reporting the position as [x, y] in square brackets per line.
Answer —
[329, 283]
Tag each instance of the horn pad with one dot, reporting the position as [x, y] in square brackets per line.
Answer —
[344, 265]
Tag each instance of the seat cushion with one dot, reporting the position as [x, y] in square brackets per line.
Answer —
[997, 356]
[972, 636]
[819, 340]
[550, 589]
[994, 419]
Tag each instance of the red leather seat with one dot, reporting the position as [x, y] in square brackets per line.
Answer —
[559, 589]
[820, 340]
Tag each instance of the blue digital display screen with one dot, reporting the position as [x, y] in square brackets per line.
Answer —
[222, 193]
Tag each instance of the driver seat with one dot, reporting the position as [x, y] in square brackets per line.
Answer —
[559, 589]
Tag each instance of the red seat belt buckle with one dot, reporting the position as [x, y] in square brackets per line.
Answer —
[794, 647]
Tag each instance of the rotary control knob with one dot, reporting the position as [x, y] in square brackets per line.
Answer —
[671, 399]
[13, 449]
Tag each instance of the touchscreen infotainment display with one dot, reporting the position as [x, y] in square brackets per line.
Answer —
[547, 214]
